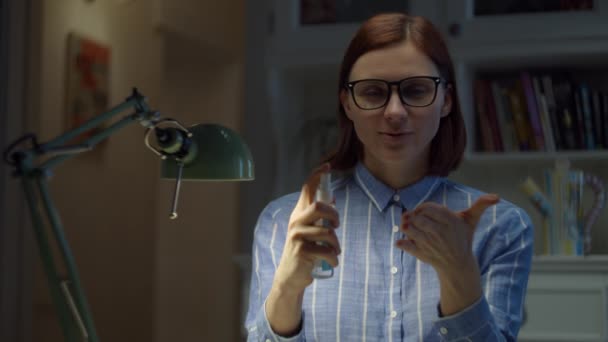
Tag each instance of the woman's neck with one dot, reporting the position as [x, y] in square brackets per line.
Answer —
[397, 175]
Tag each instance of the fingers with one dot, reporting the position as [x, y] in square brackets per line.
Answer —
[443, 215]
[315, 212]
[421, 226]
[435, 211]
[317, 234]
[315, 252]
[472, 215]
[408, 246]
[307, 196]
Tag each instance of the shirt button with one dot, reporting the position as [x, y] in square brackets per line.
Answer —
[396, 198]
[443, 330]
[394, 270]
[393, 314]
[395, 229]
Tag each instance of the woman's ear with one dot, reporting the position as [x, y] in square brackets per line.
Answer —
[344, 100]
[447, 101]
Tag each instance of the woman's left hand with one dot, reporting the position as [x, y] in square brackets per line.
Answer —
[441, 237]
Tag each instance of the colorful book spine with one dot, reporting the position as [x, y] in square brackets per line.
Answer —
[579, 121]
[605, 117]
[543, 113]
[520, 120]
[492, 117]
[505, 120]
[486, 142]
[598, 132]
[564, 108]
[535, 123]
[547, 86]
[588, 117]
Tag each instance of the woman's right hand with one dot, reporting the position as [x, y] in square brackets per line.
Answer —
[301, 250]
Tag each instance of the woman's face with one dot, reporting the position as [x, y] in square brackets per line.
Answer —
[396, 132]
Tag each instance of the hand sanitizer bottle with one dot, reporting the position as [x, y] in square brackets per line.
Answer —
[322, 269]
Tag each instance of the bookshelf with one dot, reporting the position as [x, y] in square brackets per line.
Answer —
[567, 298]
[536, 156]
[512, 22]
[538, 43]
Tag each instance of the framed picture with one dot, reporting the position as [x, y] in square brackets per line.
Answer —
[87, 89]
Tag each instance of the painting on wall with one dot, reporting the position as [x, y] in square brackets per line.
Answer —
[87, 89]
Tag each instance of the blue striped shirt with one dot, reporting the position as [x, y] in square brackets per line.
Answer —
[381, 293]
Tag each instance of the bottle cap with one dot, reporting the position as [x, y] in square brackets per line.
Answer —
[324, 193]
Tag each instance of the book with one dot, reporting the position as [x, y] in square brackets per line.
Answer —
[605, 117]
[547, 86]
[565, 109]
[520, 119]
[588, 116]
[534, 117]
[579, 121]
[598, 131]
[492, 117]
[486, 143]
[543, 113]
[503, 114]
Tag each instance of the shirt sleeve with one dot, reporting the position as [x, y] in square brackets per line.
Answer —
[497, 315]
[264, 263]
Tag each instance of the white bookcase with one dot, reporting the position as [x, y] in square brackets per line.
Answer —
[473, 30]
[567, 300]
[576, 40]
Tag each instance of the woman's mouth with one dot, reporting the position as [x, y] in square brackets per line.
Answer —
[396, 134]
[395, 137]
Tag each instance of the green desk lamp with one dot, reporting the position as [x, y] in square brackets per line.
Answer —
[202, 152]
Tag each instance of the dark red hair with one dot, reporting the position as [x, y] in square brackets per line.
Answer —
[383, 30]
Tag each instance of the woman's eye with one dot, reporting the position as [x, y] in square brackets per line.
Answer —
[373, 92]
[415, 91]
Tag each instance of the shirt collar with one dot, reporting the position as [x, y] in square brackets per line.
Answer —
[382, 195]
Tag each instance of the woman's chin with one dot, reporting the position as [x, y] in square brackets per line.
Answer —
[395, 156]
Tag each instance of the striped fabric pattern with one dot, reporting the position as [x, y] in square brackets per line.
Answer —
[380, 293]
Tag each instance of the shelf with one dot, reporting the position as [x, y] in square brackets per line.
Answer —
[543, 54]
[471, 30]
[590, 263]
[482, 157]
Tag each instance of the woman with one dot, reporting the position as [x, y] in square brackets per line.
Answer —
[417, 257]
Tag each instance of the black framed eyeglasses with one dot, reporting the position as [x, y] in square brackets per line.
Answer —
[418, 91]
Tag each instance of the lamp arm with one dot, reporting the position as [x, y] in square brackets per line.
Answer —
[135, 100]
[67, 317]
[92, 141]
[58, 147]
[66, 291]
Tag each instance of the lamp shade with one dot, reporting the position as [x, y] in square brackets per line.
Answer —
[220, 154]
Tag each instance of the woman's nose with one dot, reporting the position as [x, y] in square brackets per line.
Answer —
[395, 109]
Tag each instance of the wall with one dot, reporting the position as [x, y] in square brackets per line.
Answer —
[198, 283]
[106, 197]
[15, 254]
[147, 278]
